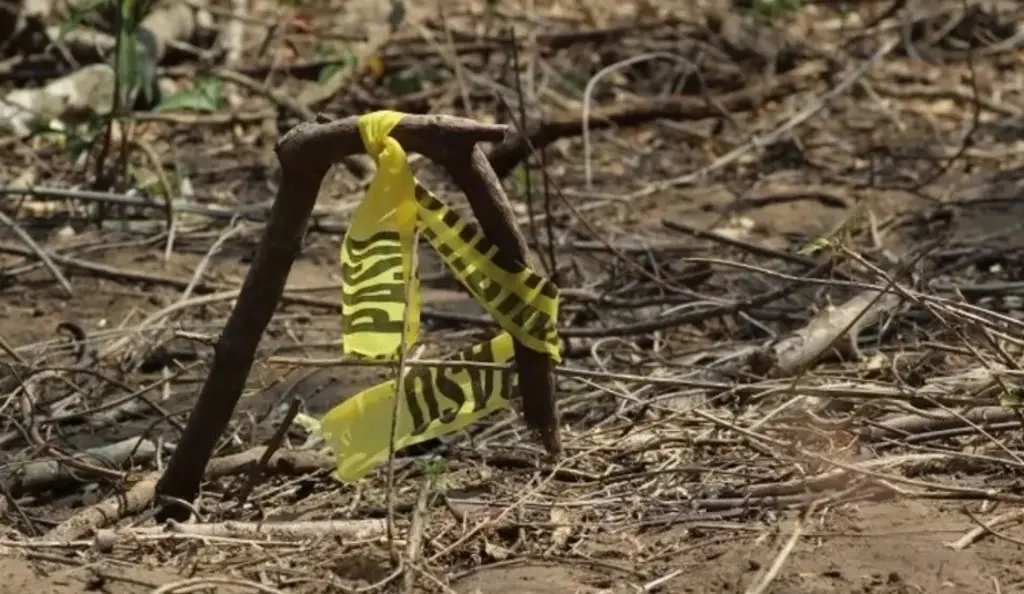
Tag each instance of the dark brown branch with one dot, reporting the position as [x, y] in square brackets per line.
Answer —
[506, 156]
[306, 154]
[494, 213]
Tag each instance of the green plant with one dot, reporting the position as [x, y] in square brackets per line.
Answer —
[773, 9]
[205, 96]
[134, 67]
[436, 471]
[336, 63]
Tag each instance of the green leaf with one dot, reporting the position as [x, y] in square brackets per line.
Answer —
[78, 14]
[126, 66]
[310, 424]
[347, 61]
[205, 97]
[814, 246]
[1011, 399]
[187, 101]
[770, 9]
[520, 177]
[437, 473]
[405, 83]
[397, 16]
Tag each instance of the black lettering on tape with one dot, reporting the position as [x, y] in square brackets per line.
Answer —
[472, 235]
[357, 274]
[376, 251]
[418, 384]
[482, 285]
[549, 290]
[413, 401]
[532, 281]
[519, 317]
[532, 322]
[507, 263]
[428, 200]
[522, 314]
[368, 319]
[382, 241]
[446, 381]
[378, 293]
[467, 231]
[453, 260]
[510, 304]
[482, 380]
[450, 218]
[445, 250]
[529, 319]
[540, 325]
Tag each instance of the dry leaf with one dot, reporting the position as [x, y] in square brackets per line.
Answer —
[496, 552]
[560, 535]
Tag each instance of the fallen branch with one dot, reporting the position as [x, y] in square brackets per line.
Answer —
[52, 473]
[363, 529]
[802, 348]
[142, 494]
[106, 512]
[983, 529]
[906, 426]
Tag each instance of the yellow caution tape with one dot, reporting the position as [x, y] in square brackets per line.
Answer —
[436, 401]
[524, 303]
[377, 277]
[379, 282]
[376, 256]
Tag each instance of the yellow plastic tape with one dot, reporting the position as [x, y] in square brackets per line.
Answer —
[380, 293]
[378, 280]
[437, 401]
[524, 303]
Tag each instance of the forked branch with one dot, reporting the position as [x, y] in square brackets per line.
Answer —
[306, 154]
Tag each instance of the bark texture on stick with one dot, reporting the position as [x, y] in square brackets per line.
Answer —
[306, 154]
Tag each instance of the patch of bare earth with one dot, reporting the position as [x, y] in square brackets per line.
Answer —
[790, 264]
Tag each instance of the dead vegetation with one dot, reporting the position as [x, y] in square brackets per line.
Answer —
[788, 250]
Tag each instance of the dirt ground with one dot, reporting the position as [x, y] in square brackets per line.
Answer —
[727, 424]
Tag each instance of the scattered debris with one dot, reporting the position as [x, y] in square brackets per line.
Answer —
[786, 235]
